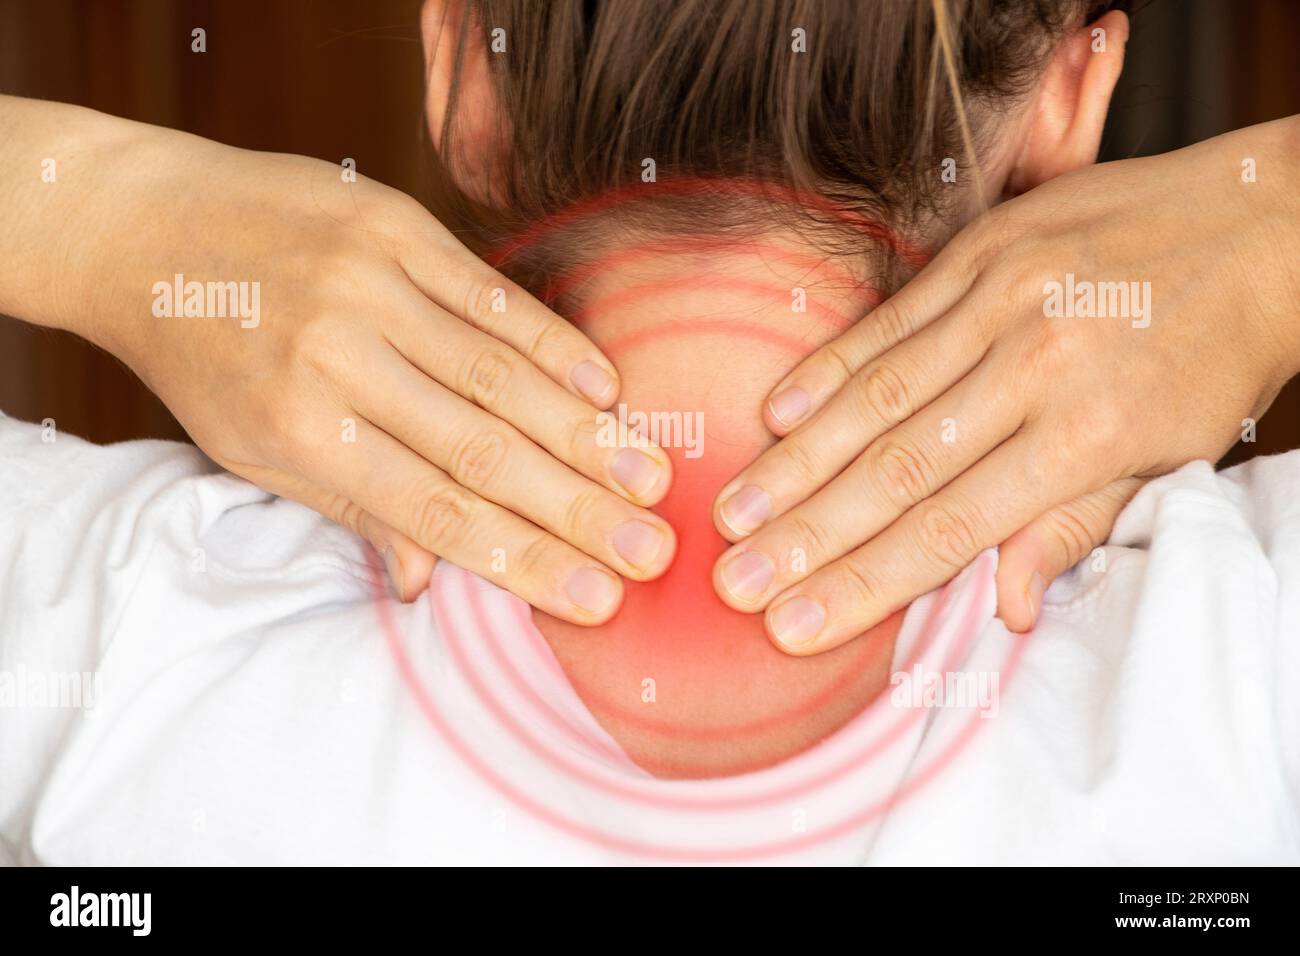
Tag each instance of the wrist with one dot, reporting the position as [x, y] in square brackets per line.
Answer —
[63, 170]
[1285, 235]
[1288, 233]
[1264, 163]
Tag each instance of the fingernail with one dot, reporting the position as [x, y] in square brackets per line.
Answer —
[635, 471]
[748, 574]
[1034, 595]
[798, 621]
[639, 543]
[790, 405]
[394, 571]
[591, 590]
[592, 380]
[746, 510]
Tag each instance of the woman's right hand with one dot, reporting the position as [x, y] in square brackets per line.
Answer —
[390, 380]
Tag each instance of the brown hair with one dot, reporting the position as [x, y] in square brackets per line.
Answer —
[885, 92]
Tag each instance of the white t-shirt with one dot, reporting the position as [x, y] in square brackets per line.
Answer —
[250, 693]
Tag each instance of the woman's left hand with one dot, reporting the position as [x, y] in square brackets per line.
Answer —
[966, 412]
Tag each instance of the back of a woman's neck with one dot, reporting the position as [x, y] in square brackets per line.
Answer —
[686, 685]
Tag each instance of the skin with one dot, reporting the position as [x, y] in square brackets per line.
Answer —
[867, 440]
[864, 492]
[725, 699]
[476, 429]
[1052, 441]
[381, 386]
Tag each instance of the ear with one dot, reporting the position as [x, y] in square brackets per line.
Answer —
[475, 125]
[1069, 109]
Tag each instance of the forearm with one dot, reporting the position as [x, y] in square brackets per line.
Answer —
[61, 189]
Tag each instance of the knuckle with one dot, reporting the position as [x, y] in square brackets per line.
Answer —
[836, 365]
[581, 513]
[1092, 435]
[1057, 346]
[329, 264]
[487, 375]
[818, 539]
[905, 474]
[314, 346]
[1106, 426]
[883, 394]
[347, 513]
[890, 324]
[1022, 277]
[1114, 498]
[984, 320]
[476, 461]
[386, 217]
[798, 456]
[974, 250]
[1040, 469]
[482, 297]
[407, 211]
[1070, 532]
[865, 589]
[440, 515]
[948, 535]
[582, 433]
[547, 340]
[533, 560]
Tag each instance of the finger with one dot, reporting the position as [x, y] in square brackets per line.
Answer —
[493, 376]
[885, 392]
[409, 565]
[926, 297]
[1051, 544]
[902, 468]
[466, 286]
[403, 490]
[494, 461]
[925, 548]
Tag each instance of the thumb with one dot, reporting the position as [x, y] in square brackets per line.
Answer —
[1051, 544]
[409, 566]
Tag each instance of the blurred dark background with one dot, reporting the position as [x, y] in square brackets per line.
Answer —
[333, 79]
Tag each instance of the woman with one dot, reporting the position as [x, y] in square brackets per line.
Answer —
[278, 426]
[280, 654]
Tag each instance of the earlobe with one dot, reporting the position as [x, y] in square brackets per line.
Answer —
[1069, 109]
